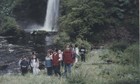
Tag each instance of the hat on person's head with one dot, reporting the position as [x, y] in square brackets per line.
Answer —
[55, 50]
[33, 53]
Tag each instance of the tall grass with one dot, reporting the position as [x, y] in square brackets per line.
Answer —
[94, 71]
[30, 79]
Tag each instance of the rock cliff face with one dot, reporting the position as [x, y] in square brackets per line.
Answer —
[10, 55]
[30, 12]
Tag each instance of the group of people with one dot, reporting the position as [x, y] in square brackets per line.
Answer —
[32, 64]
[54, 59]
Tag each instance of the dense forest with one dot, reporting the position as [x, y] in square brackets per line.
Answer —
[97, 21]
[113, 24]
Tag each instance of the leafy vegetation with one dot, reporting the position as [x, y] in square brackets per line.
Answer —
[123, 53]
[99, 21]
[91, 72]
[82, 22]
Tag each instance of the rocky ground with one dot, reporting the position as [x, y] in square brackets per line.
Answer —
[10, 55]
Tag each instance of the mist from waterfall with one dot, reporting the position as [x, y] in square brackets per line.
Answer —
[51, 19]
[51, 16]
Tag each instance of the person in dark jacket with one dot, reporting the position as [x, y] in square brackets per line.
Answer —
[68, 59]
[24, 66]
[56, 62]
[82, 53]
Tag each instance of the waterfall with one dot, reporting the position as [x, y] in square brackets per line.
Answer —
[50, 24]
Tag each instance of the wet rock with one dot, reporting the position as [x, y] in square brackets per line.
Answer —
[3, 67]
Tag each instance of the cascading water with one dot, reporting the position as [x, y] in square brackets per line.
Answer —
[51, 20]
[50, 24]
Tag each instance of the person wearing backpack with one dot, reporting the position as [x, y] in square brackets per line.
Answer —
[82, 53]
[68, 60]
[76, 49]
[60, 53]
[24, 65]
[56, 62]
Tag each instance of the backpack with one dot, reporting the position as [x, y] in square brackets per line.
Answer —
[24, 64]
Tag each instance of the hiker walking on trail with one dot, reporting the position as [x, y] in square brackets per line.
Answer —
[82, 53]
[76, 53]
[48, 63]
[61, 58]
[68, 59]
[35, 64]
[72, 49]
[23, 62]
[56, 62]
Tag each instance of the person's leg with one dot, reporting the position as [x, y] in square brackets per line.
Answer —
[58, 70]
[55, 70]
[51, 69]
[69, 68]
[62, 63]
[48, 71]
[22, 71]
[65, 67]
[31, 69]
[26, 70]
[76, 59]
[34, 70]
[84, 58]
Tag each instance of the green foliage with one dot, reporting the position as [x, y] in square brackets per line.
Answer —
[77, 78]
[119, 74]
[85, 43]
[8, 24]
[118, 46]
[131, 55]
[9, 27]
[100, 20]
[62, 39]
[30, 79]
[123, 53]
[6, 7]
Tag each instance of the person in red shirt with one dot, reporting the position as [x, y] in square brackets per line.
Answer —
[56, 62]
[68, 59]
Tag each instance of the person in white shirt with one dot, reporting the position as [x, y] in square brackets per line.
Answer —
[76, 53]
[60, 57]
[35, 64]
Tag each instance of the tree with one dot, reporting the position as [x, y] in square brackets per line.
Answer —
[99, 20]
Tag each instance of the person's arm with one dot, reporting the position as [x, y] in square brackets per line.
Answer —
[19, 63]
[77, 51]
[63, 55]
[51, 57]
[60, 57]
[37, 62]
[45, 63]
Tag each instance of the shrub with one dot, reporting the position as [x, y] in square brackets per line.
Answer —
[78, 77]
[9, 27]
[85, 43]
[111, 56]
[119, 46]
[131, 54]
[62, 39]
